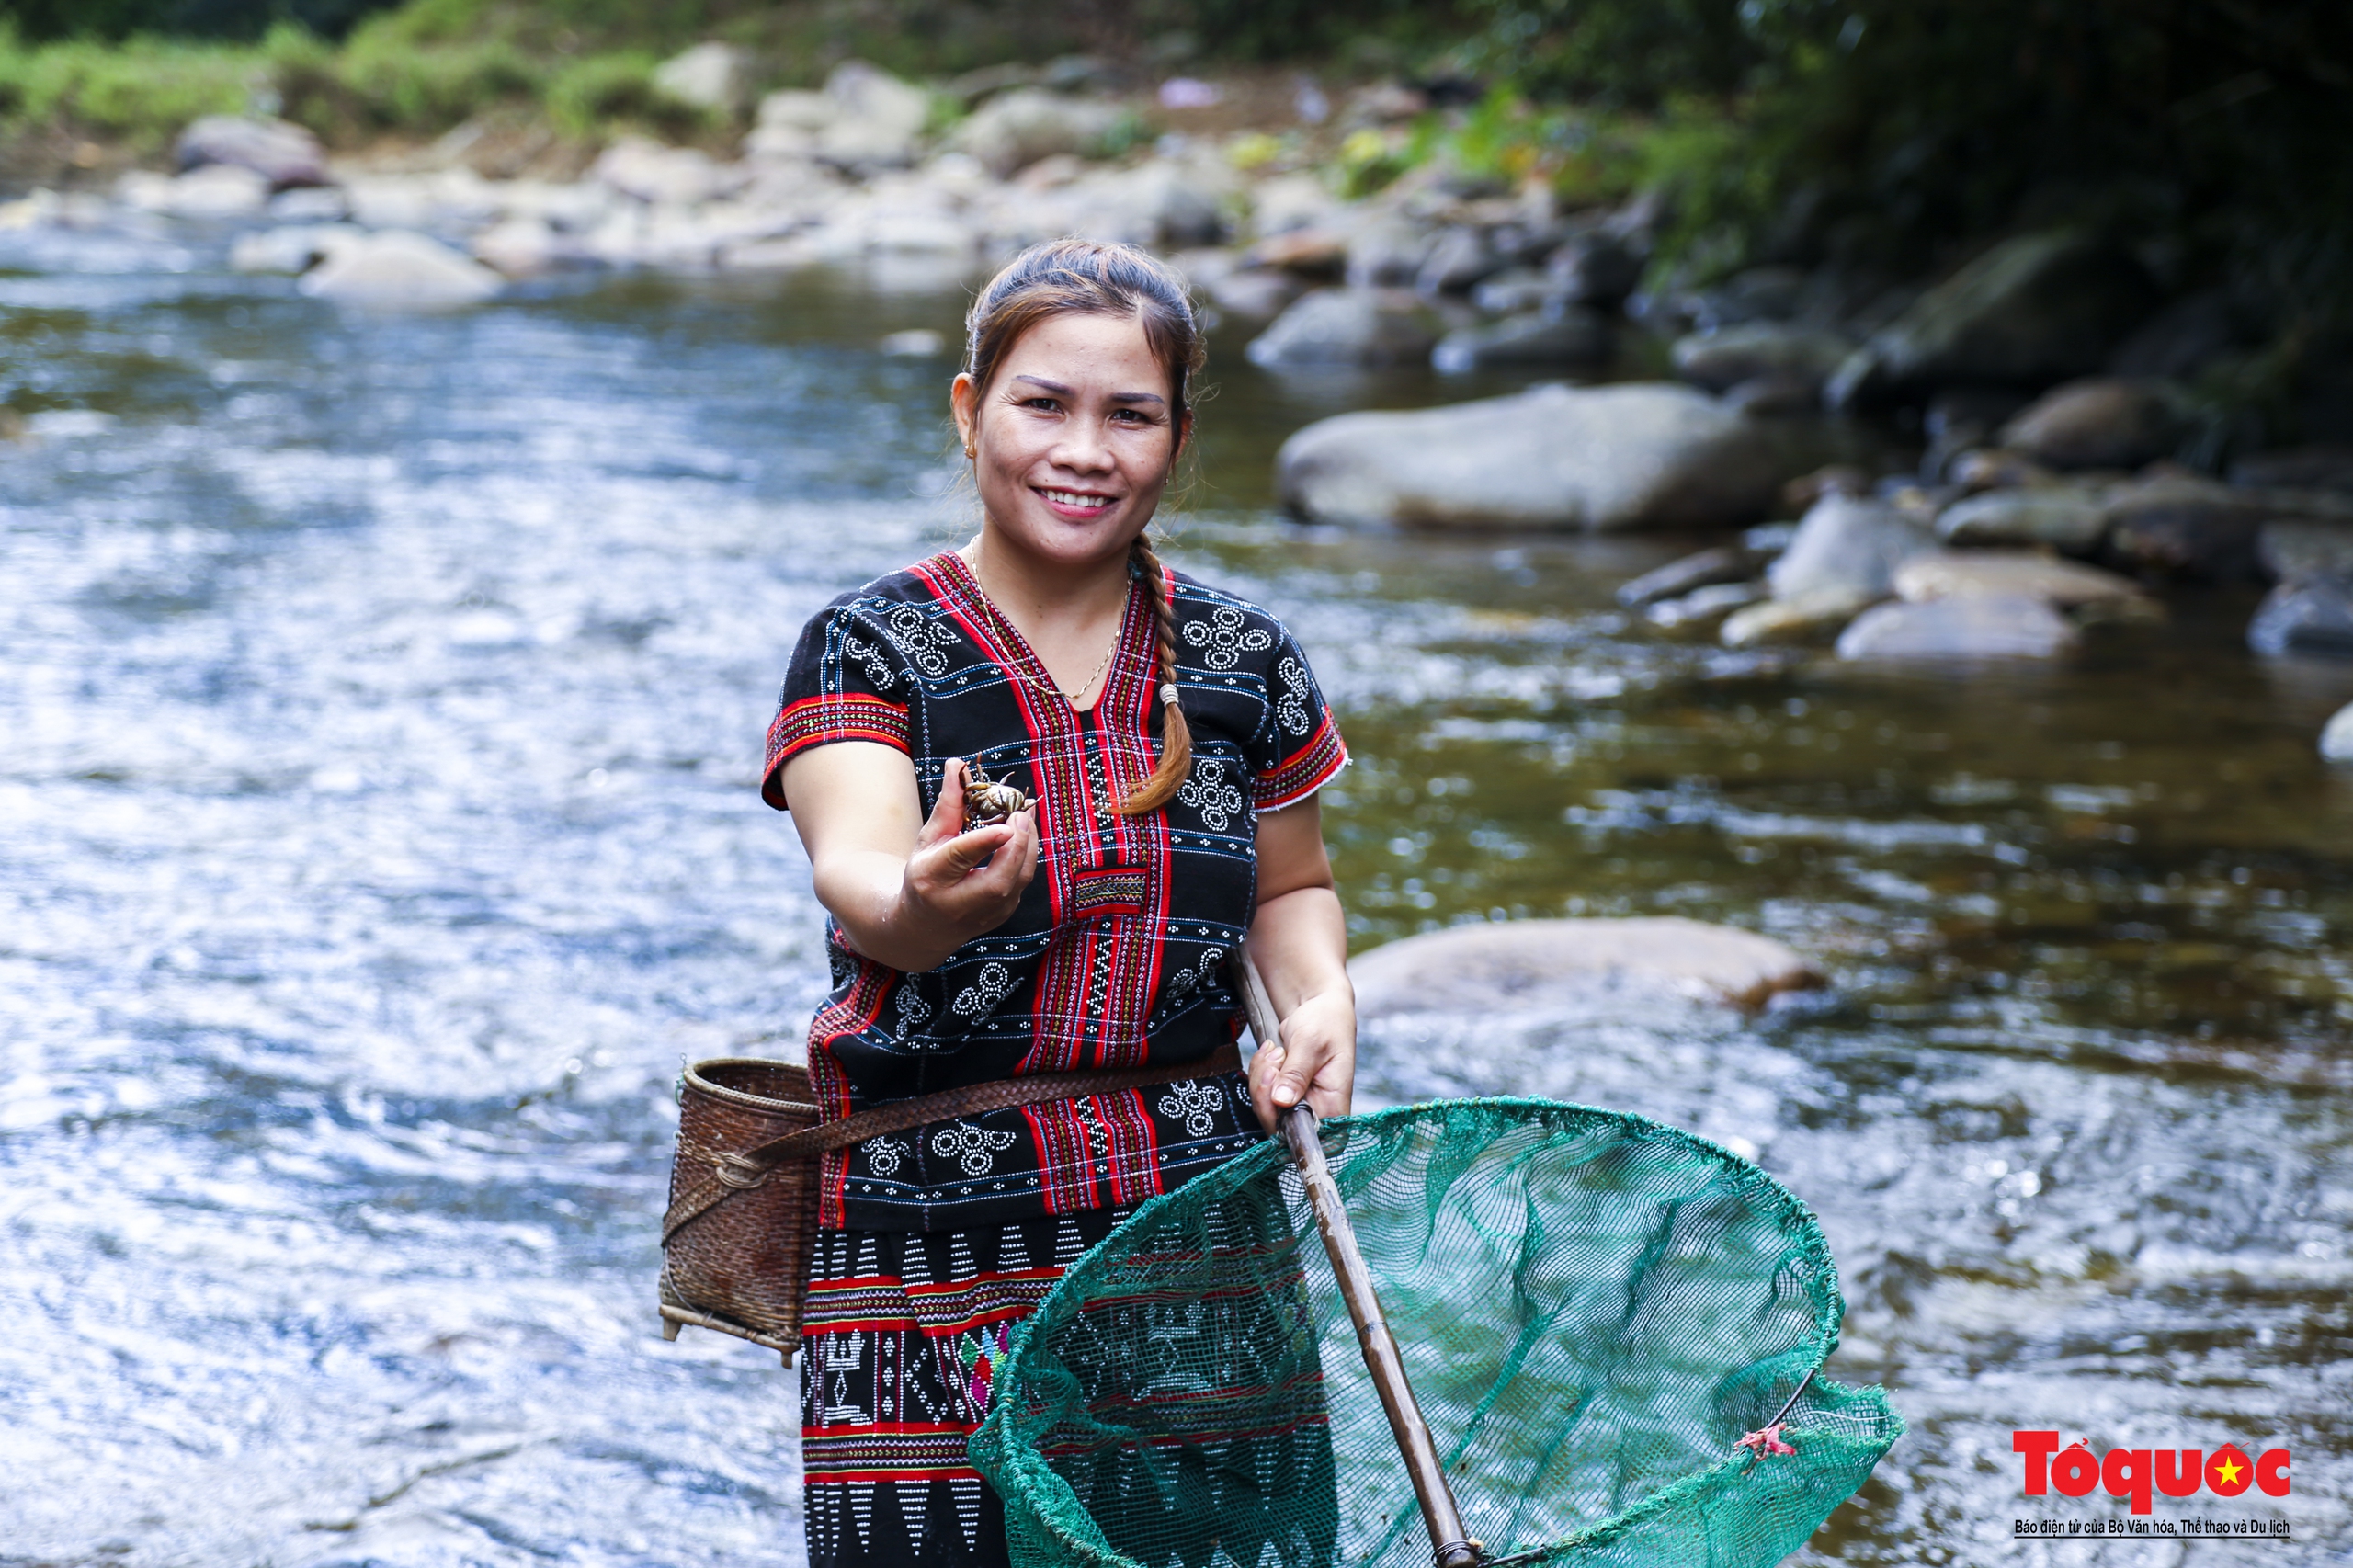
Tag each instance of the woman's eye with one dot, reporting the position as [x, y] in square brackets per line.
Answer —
[1049, 404]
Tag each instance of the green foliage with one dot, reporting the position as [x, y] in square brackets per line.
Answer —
[143, 91]
[45, 20]
[589, 94]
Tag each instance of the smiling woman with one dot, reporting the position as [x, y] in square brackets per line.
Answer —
[1169, 741]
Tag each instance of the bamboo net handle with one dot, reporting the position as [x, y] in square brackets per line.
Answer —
[1450, 1545]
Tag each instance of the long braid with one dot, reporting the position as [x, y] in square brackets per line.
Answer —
[1176, 735]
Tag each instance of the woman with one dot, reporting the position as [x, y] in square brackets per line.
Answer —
[1171, 741]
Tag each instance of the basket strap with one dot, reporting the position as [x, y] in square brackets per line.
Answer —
[748, 1168]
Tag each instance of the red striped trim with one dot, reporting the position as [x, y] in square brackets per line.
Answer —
[831, 716]
[1305, 770]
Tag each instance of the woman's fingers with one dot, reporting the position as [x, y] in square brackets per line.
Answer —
[1315, 1063]
[946, 819]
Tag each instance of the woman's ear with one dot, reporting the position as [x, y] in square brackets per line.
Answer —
[1184, 434]
[963, 403]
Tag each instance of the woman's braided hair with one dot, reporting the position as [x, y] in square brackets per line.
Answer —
[1086, 277]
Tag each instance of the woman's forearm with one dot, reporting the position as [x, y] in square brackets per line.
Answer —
[866, 893]
[1299, 942]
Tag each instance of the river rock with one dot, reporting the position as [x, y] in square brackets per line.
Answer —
[2073, 520]
[293, 249]
[1388, 252]
[1596, 268]
[877, 119]
[1573, 336]
[715, 77]
[2033, 310]
[2181, 339]
[1808, 617]
[2186, 527]
[1607, 459]
[2288, 548]
[1701, 606]
[1459, 257]
[1348, 327]
[1515, 289]
[1982, 626]
[1961, 573]
[1320, 254]
[2297, 468]
[1015, 129]
[1158, 202]
[2106, 422]
[1724, 564]
[679, 176]
[214, 191]
[280, 152]
[2306, 616]
[1718, 360]
[1848, 544]
[400, 269]
[2337, 735]
[1256, 293]
[1523, 965]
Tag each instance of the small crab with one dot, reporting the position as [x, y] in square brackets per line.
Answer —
[987, 802]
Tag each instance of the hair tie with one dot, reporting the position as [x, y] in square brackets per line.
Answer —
[1168, 694]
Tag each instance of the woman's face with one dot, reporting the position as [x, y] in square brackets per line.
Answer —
[1074, 438]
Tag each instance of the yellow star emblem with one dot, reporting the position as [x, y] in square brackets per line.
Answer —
[2228, 1471]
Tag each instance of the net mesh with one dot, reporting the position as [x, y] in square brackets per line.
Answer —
[1593, 1309]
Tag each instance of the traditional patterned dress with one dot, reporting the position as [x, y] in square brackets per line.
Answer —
[937, 1242]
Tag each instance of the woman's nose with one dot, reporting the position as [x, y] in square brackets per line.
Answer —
[1083, 451]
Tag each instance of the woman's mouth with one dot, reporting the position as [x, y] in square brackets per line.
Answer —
[1075, 503]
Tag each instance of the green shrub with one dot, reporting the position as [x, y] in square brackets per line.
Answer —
[589, 94]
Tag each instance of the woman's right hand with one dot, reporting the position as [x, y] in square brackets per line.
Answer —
[906, 890]
[960, 885]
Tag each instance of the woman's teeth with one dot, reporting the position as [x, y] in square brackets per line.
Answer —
[1073, 498]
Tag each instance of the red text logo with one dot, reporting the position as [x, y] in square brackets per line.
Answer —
[2138, 1473]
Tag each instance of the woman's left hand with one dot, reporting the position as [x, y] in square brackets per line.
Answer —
[1316, 1061]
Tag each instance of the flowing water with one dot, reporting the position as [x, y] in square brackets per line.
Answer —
[382, 698]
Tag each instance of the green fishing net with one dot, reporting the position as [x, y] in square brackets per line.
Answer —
[1594, 1309]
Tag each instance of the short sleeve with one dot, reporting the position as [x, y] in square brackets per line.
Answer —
[1299, 748]
[846, 682]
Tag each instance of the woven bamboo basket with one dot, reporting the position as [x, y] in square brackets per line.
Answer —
[739, 1266]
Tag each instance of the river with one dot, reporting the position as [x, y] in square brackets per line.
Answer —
[383, 697]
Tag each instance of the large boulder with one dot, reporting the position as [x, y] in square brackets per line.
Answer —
[1012, 131]
[2069, 518]
[2033, 310]
[282, 152]
[1348, 327]
[1847, 544]
[1989, 626]
[1719, 360]
[2106, 422]
[1524, 965]
[2307, 616]
[400, 269]
[1964, 574]
[1610, 459]
[1573, 336]
[877, 118]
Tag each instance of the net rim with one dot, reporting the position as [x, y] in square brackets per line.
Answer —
[994, 1449]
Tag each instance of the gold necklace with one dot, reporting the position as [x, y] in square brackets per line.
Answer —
[1118, 627]
[1104, 664]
